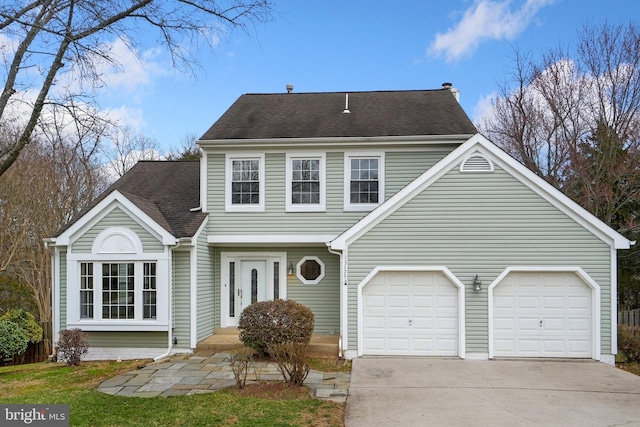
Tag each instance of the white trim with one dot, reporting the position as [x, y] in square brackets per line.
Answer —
[114, 200]
[193, 297]
[444, 270]
[97, 323]
[614, 302]
[316, 207]
[609, 359]
[229, 158]
[595, 300]
[339, 141]
[269, 238]
[203, 179]
[119, 325]
[237, 257]
[509, 164]
[128, 353]
[302, 278]
[126, 242]
[362, 207]
[463, 164]
[55, 292]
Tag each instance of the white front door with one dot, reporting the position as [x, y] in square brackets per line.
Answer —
[247, 278]
[252, 284]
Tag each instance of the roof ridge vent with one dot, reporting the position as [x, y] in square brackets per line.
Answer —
[346, 104]
[476, 163]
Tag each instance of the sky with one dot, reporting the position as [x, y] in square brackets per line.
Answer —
[350, 45]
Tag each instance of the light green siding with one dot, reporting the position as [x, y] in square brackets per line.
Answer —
[401, 168]
[128, 339]
[479, 223]
[116, 218]
[208, 294]
[324, 298]
[181, 298]
[63, 289]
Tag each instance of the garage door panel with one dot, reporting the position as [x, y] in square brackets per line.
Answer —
[398, 302]
[422, 302]
[421, 312]
[551, 316]
[447, 302]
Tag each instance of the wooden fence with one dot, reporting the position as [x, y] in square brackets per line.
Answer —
[629, 317]
[37, 352]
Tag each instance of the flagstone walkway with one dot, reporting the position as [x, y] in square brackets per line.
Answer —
[191, 374]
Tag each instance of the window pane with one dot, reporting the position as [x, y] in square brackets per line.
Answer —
[149, 291]
[305, 181]
[276, 280]
[118, 278]
[245, 185]
[364, 181]
[232, 289]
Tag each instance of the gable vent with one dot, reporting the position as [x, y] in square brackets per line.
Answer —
[476, 163]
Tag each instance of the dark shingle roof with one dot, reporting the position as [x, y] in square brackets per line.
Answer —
[319, 115]
[164, 190]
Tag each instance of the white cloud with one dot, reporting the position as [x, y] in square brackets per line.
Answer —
[484, 109]
[484, 20]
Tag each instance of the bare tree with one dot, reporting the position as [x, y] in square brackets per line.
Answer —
[64, 40]
[46, 187]
[574, 119]
[188, 150]
[127, 147]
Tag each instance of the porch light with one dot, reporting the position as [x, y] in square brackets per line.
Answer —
[290, 269]
[476, 283]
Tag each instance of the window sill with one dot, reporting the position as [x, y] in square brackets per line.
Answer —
[132, 325]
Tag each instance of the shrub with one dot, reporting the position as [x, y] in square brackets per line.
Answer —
[292, 361]
[239, 361]
[72, 346]
[275, 322]
[629, 343]
[13, 340]
[26, 321]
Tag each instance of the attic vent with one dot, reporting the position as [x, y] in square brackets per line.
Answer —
[476, 163]
[117, 244]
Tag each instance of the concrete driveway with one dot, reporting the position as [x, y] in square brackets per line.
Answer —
[452, 392]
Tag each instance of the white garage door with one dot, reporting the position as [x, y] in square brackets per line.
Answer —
[410, 313]
[542, 314]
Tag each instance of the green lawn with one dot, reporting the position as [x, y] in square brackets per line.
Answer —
[51, 383]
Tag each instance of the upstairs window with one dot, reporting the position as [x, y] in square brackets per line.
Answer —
[364, 181]
[305, 182]
[245, 183]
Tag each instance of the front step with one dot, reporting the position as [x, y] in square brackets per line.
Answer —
[225, 340]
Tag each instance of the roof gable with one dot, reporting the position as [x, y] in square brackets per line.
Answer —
[480, 145]
[323, 115]
[165, 191]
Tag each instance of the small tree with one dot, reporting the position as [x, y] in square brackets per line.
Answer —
[13, 340]
[72, 346]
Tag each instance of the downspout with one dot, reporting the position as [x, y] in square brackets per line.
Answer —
[170, 305]
[339, 253]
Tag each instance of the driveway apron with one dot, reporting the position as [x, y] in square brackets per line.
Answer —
[453, 392]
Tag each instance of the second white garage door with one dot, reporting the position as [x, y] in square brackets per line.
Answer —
[542, 314]
[410, 313]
